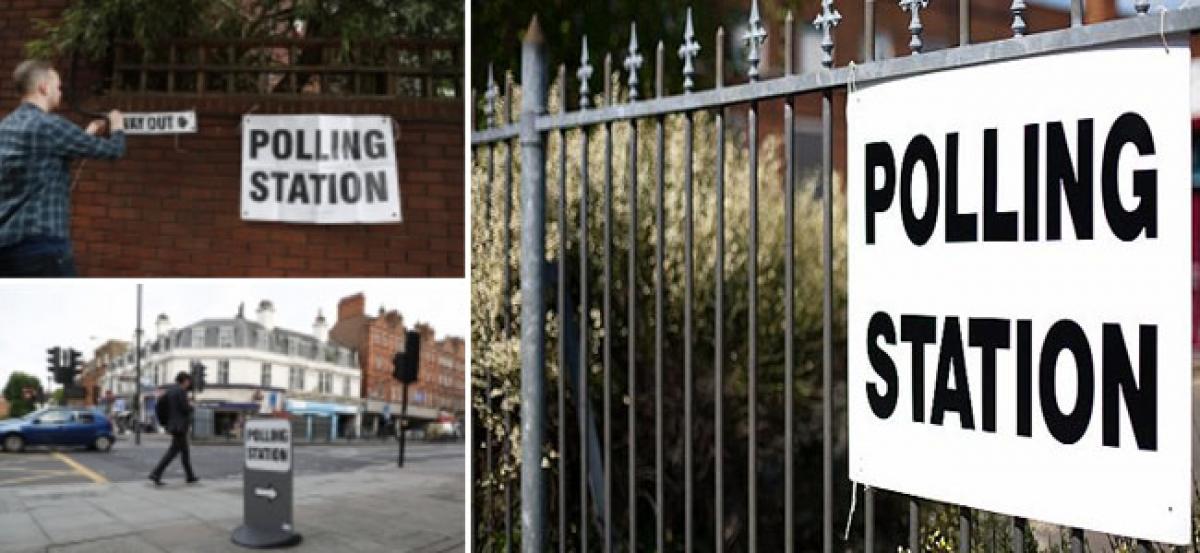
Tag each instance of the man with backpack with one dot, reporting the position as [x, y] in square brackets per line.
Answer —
[174, 413]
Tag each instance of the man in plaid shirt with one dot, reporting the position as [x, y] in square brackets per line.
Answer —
[36, 150]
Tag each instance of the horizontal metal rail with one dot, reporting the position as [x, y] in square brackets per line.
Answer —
[1097, 34]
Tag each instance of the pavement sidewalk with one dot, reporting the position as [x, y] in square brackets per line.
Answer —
[372, 509]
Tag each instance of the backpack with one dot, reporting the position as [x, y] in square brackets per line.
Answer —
[161, 411]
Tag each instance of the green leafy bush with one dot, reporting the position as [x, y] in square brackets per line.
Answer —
[496, 352]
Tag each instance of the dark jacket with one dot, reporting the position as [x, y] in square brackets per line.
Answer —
[179, 411]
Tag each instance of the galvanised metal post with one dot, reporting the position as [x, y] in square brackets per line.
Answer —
[533, 255]
[828, 19]
[1077, 540]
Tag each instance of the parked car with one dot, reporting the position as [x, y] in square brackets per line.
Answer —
[58, 426]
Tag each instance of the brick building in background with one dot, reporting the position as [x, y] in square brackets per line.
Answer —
[440, 387]
[440, 382]
[171, 206]
[96, 367]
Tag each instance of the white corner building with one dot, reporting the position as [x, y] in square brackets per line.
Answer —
[252, 368]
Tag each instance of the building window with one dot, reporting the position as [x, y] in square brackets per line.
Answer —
[260, 338]
[223, 371]
[210, 337]
[296, 378]
[198, 338]
[266, 375]
[225, 338]
[291, 347]
[346, 386]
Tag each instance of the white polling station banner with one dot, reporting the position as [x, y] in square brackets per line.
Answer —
[1019, 241]
[319, 169]
[161, 122]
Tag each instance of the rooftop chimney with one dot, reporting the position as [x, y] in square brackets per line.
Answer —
[320, 328]
[266, 314]
[351, 306]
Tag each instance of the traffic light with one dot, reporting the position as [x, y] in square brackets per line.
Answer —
[54, 359]
[71, 368]
[74, 359]
[198, 376]
[58, 364]
[406, 365]
[398, 366]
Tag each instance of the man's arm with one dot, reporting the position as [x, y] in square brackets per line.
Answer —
[73, 142]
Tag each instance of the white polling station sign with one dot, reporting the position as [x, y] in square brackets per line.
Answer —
[268, 445]
[1019, 280]
[163, 122]
[319, 169]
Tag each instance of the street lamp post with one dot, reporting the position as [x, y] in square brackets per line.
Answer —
[137, 361]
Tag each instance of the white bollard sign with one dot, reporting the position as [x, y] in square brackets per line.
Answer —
[1019, 242]
[267, 486]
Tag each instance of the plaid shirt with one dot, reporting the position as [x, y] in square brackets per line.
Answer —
[36, 150]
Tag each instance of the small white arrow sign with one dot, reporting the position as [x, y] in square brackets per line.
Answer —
[268, 492]
[163, 122]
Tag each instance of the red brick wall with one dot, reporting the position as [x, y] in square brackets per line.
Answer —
[171, 206]
[16, 28]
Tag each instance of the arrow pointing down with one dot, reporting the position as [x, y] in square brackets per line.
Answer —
[268, 492]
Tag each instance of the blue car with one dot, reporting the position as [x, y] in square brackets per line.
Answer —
[58, 426]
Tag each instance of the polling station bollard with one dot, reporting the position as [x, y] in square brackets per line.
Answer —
[267, 486]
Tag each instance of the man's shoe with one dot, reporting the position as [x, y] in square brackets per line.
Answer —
[157, 481]
[193, 480]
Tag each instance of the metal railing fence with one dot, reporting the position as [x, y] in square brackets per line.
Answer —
[290, 67]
